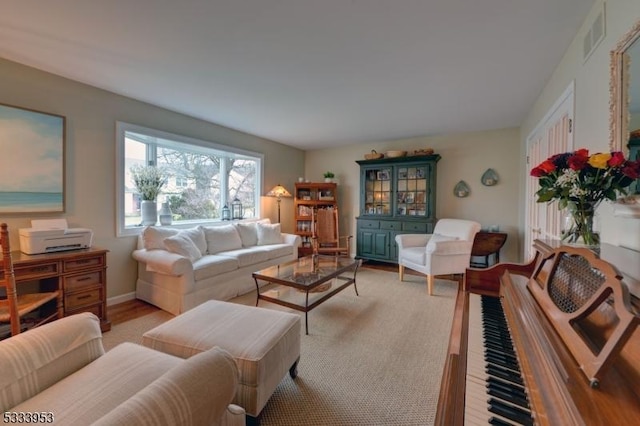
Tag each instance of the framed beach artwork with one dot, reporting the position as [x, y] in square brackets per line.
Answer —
[32, 161]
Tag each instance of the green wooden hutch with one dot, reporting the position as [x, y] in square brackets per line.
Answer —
[397, 196]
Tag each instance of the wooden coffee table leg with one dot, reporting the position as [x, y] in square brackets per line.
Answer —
[306, 313]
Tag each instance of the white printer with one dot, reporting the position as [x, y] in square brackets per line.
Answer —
[53, 235]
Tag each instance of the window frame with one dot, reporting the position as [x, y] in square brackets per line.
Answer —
[123, 127]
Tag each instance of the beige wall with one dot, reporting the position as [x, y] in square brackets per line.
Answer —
[465, 156]
[591, 105]
[90, 156]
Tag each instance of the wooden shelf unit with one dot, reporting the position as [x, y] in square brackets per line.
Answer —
[309, 196]
[80, 274]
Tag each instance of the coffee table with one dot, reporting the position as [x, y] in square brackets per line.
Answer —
[307, 282]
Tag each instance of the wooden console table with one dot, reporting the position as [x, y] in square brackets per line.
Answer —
[486, 244]
[80, 274]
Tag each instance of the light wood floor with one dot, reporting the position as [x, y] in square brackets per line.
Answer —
[133, 309]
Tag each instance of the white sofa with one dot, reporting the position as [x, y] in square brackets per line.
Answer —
[180, 269]
[59, 373]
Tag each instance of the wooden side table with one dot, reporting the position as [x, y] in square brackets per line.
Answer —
[80, 274]
[486, 244]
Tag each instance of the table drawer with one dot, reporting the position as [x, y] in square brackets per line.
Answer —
[394, 226]
[76, 300]
[369, 224]
[414, 226]
[34, 272]
[80, 281]
[94, 309]
[83, 263]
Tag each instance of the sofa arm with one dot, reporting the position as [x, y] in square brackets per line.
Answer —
[196, 392]
[164, 262]
[292, 239]
[449, 247]
[34, 360]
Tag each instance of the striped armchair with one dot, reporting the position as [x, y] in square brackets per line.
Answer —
[60, 371]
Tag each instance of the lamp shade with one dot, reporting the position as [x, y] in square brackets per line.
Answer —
[278, 191]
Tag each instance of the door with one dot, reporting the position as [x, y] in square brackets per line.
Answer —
[554, 135]
[373, 244]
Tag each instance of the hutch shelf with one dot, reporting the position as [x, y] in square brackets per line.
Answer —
[397, 196]
[309, 196]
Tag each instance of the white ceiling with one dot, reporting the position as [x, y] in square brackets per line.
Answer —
[307, 73]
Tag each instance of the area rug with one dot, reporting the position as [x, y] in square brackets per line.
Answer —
[373, 359]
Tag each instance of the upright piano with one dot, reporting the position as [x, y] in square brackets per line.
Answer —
[554, 341]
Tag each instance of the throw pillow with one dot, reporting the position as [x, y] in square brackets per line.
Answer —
[197, 236]
[222, 238]
[248, 234]
[269, 234]
[153, 238]
[184, 246]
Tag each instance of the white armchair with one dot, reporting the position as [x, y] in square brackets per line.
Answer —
[446, 251]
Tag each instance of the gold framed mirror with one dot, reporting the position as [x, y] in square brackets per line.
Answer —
[624, 86]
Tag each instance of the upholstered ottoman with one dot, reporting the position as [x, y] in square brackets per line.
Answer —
[265, 344]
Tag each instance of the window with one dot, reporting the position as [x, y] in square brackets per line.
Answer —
[202, 176]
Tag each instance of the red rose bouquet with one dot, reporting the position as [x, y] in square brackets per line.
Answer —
[579, 182]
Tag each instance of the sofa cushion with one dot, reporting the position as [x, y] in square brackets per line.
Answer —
[212, 265]
[248, 233]
[93, 391]
[153, 238]
[269, 233]
[247, 256]
[277, 250]
[183, 245]
[222, 238]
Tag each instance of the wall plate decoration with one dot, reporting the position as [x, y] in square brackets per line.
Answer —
[489, 178]
[461, 189]
[32, 170]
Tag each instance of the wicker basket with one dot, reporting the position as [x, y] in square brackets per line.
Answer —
[373, 155]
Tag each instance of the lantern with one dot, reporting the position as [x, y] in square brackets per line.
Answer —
[226, 213]
[236, 209]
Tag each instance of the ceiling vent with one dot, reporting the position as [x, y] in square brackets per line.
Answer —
[594, 35]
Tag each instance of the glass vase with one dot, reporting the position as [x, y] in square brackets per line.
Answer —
[580, 225]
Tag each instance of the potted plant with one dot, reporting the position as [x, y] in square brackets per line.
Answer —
[328, 176]
[149, 181]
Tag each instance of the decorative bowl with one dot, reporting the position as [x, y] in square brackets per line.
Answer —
[425, 151]
[395, 154]
[373, 155]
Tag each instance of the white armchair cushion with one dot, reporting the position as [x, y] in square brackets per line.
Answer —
[222, 238]
[183, 245]
[269, 234]
[415, 255]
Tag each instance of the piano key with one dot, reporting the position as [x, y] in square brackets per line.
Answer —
[493, 373]
[517, 415]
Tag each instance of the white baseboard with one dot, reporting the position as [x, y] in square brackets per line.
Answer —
[120, 299]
